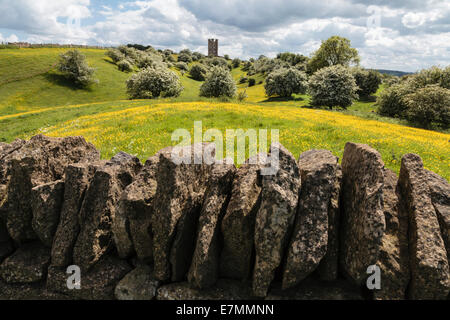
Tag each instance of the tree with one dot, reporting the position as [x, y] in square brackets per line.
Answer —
[445, 78]
[284, 82]
[333, 86]
[75, 68]
[184, 57]
[115, 55]
[367, 81]
[182, 66]
[391, 101]
[218, 83]
[429, 104]
[153, 83]
[197, 56]
[130, 53]
[198, 72]
[394, 101]
[236, 63]
[216, 61]
[292, 58]
[433, 75]
[124, 65]
[334, 51]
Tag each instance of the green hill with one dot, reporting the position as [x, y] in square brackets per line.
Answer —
[35, 98]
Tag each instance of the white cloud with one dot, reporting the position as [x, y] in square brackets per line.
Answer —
[45, 19]
[417, 19]
[11, 38]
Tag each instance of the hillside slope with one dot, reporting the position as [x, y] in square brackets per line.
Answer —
[35, 98]
[142, 128]
[28, 80]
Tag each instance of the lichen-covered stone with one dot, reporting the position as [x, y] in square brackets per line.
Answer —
[393, 259]
[363, 222]
[39, 161]
[132, 227]
[139, 284]
[179, 195]
[275, 218]
[27, 264]
[440, 197]
[98, 210]
[7, 151]
[6, 249]
[328, 267]
[204, 269]
[96, 284]
[238, 224]
[311, 289]
[222, 290]
[28, 291]
[77, 178]
[308, 246]
[430, 278]
[46, 202]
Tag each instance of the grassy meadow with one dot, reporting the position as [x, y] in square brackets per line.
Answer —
[35, 98]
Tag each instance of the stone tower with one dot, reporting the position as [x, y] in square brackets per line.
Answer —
[213, 47]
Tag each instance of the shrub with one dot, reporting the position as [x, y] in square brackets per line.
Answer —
[138, 46]
[115, 55]
[391, 102]
[251, 82]
[196, 56]
[243, 79]
[236, 63]
[218, 83]
[184, 57]
[292, 58]
[124, 65]
[149, 59]
[367, 81]
[145, 62]
[198, 72]
[242, 95]
[426, 77]
[131, 53]
[182, 66]
[186, 51]
[167, 52]
[247, 66]
[285, 82]
[170, 58]
[216, 61]
[429, 104]
[153, 83]
[75, 68]
[333, 86]
[390, 80]
[445, 78]
[434, 75]
[266, 65]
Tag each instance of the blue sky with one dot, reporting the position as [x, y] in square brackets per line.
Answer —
[403, 35]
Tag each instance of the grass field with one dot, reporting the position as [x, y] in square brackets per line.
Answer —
[34, 98]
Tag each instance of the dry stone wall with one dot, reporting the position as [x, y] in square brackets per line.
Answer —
[213, 231]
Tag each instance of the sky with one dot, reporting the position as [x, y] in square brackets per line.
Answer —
[405, 35]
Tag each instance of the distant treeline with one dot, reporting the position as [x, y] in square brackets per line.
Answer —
[394, 72]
